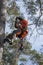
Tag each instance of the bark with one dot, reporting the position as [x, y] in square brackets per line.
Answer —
[2, 31]
[2, 21]
[2, 25]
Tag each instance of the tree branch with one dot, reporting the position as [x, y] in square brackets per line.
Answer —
[40, 7]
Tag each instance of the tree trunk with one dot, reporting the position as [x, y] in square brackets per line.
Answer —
[2, 31]
[2, 25]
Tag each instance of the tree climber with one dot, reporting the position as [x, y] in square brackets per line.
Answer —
[21, 26]
[21, 31]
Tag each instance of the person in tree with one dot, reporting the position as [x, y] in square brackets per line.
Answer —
[21, 32]
[22, 28]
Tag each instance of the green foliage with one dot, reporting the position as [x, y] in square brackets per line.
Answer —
[1, 63]
[26, 51]
[33, 52]
[27, 48]
[23, 59]
[9, 54]
[35, 56]
[38, 1]
[13, 10]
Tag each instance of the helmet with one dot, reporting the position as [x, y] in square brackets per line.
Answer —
[22, 17]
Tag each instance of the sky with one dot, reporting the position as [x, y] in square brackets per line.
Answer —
[36, 42]
[39, 41]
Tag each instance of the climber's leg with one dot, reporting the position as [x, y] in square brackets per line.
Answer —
[17, 32]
